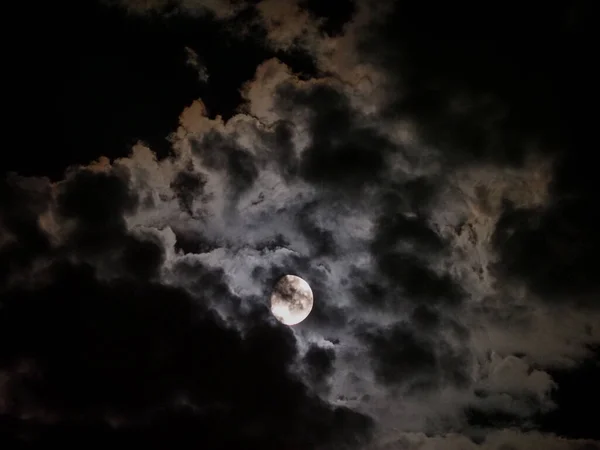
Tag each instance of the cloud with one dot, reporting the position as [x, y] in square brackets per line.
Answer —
[134, 290]
[286, 23]
[102, 340]
[501, 440]
[221, 9]
[194, 62]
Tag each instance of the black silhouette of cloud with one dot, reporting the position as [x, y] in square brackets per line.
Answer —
[100, 339]
[436, 194]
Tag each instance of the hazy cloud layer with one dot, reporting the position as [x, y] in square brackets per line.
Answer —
[499, 440]
[441, 247]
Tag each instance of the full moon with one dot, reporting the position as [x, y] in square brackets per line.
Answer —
[291, 300]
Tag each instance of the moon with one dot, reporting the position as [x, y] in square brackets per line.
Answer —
[291, 300]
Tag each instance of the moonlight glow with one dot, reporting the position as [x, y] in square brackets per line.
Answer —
[291, 300]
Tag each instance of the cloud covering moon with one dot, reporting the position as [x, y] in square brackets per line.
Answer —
[437, 240]
[291, 300]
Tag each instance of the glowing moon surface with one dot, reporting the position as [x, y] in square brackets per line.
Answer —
[291, 300]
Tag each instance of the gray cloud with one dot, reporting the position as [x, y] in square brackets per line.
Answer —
[433, 312]
[500, 440]
[193, 61]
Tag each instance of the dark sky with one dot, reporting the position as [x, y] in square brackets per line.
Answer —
[429, 170]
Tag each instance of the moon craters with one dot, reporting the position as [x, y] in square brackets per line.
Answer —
[291, 300]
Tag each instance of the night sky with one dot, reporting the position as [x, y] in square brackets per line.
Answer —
[429, 170]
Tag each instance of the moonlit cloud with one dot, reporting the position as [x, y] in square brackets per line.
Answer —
[422, 326]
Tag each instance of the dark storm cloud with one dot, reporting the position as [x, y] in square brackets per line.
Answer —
[98, 203]
[205, 277]
[396, 228]
[193, 241]
[496, 101]
[554, 250]
[333, 14]
[22, 240]
[415, 357]
[188, 185]
[403, 245]
[151, 357]
[132, 350]
[493, 97]
[417, 281]
[319, 362]
[83, 218]
[225, 156]
[308, 222]
[400, 355]
[280, 139]
[572, 385]
[491, 416]
[137, 309]
[343, 150]
[97, 199]
[411, 196]
[346, 152]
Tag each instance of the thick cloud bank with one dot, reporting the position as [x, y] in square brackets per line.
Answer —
[449, 252]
